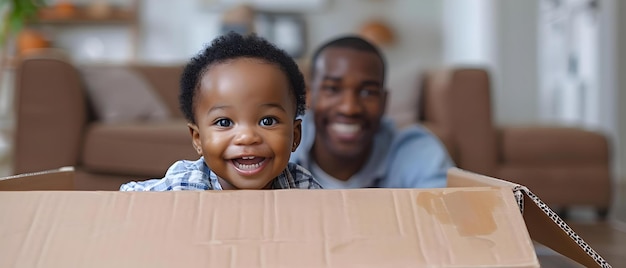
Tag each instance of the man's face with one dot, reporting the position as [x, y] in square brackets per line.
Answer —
[245, 129]
[348, 100]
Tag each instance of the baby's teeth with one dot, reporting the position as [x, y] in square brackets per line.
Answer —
[248, 157]
[253, 166]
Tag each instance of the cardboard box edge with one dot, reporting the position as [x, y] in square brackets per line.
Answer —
[544, 225]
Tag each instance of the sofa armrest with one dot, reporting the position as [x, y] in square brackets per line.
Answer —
[51, 113]
[458, 101]
[542, 145]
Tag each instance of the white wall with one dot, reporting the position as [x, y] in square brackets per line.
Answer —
[609, 82]
[417, 24]
[621, 87]
[516, 97]
[172, 31]
[470, 32]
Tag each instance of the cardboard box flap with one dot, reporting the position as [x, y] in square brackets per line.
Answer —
[446, 227]
[544, 225]
[61, 179]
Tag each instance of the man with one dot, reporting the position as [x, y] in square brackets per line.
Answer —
[347, 142]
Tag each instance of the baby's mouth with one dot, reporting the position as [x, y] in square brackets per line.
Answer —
[248, 162]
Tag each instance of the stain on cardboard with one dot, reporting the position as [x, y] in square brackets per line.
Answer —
[470, 212]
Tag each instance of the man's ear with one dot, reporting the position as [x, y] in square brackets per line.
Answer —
[311, 91]
[297, 134]
[384, 98]
[307, 100]
[195, 138]
[303, 65]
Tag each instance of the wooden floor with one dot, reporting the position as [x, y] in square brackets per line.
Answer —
[607, 237]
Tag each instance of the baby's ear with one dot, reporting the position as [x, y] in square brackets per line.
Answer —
[195, 138]
[297, 134]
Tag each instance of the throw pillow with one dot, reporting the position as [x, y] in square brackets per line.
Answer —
[120, 94]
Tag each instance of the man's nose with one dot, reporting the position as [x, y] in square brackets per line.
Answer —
[247, 135]
[350, 103]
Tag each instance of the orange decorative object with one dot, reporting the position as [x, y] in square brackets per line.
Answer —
[99, 9]
[239, 18]
[29, 40]
[65, 9]
[377, 32]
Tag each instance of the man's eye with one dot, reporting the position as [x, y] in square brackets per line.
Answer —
[223, 122]
[369, 92]
[268, 121]
[330, 89]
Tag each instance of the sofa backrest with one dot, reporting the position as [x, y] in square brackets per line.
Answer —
[53, 106]
[458, 103]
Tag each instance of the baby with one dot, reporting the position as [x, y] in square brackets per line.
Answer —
[241, 97]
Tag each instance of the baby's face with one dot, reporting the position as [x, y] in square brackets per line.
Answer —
[245, 129]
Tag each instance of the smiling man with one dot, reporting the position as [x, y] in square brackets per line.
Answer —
[347, 142]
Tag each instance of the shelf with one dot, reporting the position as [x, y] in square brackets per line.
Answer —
[55, 19]
[81, 15]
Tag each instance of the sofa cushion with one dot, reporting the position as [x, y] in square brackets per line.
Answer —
[121, 94]
[142, 149]
[543, 145]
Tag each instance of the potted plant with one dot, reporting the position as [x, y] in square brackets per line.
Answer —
[14, 15]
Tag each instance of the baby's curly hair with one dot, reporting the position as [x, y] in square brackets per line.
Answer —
[232, 46]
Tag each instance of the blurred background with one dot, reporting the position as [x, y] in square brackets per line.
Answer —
[551, 61]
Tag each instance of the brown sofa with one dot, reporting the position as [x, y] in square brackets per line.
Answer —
[564, 166]
[56, 126]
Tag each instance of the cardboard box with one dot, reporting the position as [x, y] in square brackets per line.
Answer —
[543, 224]
[476, 223]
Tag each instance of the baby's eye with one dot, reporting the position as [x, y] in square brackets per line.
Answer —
[223, 122]
[268, 121]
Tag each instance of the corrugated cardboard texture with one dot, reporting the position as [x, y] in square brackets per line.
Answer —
[455, 227]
